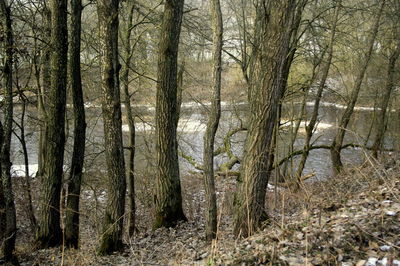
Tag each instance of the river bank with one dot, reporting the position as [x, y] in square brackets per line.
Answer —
[351, 219]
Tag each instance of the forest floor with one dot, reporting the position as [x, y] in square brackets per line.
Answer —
[351, 219]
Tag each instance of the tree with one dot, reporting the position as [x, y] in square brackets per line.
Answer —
[74, 183]
[168, 198]
[268, 76]
[324, 76]
[131, 120]
[49, 232]
[213, 121]
[2, 201]
[389, 85]
[111, 239]
[8, 221]
[29, 209]
[44, 84]
[339, 137]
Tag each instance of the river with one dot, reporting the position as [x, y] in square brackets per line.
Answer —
[191, 130]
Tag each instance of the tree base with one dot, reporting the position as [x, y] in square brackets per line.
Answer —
[108, 245]
[169, 218]
[48, 240]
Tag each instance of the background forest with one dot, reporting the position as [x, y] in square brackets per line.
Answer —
[199, 132]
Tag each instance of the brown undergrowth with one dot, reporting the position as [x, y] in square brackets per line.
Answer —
[350, 219]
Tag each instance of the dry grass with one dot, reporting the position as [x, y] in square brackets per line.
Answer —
[289, 211]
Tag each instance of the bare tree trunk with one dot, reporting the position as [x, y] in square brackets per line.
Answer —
[314, 116]
[2, 200]
[268, 75]
[44, 86]
[111, 239]
[27, 184]
[131, 122]
[381, 127]
[49, 231]
[74, 183]
[338, 140]
[168, 198]
[10, 229]
[179, 93]
[213, 121]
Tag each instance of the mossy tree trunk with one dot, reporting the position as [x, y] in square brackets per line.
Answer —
[111, 239]
[49, 232]
[10, 221]
[268, 74]
[344, 121]
[168, 198]
[74, 183]
[213, 121]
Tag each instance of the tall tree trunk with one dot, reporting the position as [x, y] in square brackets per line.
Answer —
[111, 239]
[268, 75]
[381, 121]
[74, 183]
[338, 140]
[168, 198]
[314, 116]
[131, 122]
[213, 121]
[44, 86]
[10, 229]
[49, 231]
[2, 200]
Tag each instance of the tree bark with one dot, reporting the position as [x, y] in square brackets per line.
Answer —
[10, 222]
[339, 137]
[314, 116]
[49, 231]
[168, 198]
[74, 183]
[213, 121]
[111, 239]
[2, 200]
[269, 67]
[131, 122]
[44, 86]
[389, 86]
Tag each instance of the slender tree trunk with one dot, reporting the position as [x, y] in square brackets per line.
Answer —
[49, 231]
[74, 183]
[2, 200]
[27, 185]
[314, 116]
[131, 122]
[111, 239]
[213, 121]
[269, 69]
[44, 86]
[10, 229]
[381, 127]
[168, 198]
[179, 93]
[338, 140]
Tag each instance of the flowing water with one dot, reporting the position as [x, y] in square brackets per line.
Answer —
[191, 129]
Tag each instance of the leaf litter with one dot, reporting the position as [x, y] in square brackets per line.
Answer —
[351, 219]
